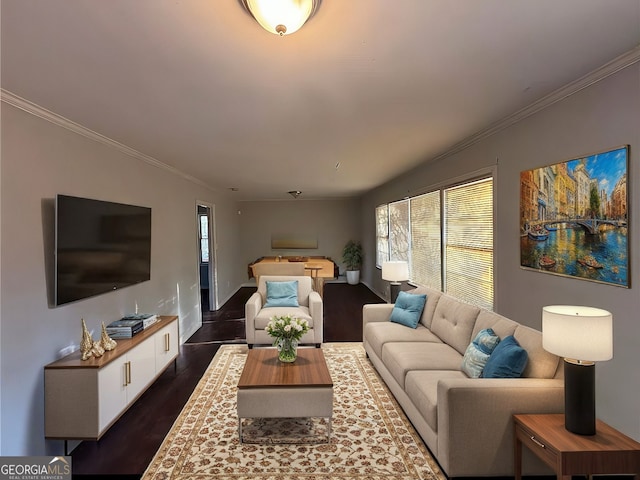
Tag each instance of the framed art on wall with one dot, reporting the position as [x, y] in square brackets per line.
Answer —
[574, 218]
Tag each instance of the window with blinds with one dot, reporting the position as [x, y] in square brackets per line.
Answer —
[382, 234]
[426, 253]
[446, 236]
[468, 242]
[399, 230]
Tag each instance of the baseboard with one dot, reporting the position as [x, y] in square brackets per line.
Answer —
[380, 295]
[222, 301]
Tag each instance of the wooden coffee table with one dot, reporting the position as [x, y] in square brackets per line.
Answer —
[269, 388]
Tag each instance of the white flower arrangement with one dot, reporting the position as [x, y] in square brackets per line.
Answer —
[286, 326]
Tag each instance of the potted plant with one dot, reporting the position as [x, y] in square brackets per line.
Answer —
[352, 259]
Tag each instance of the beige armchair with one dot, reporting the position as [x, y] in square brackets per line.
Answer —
[310, 308]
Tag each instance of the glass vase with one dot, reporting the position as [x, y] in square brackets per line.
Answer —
[287, 350]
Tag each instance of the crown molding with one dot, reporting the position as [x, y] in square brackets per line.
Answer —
[59, 120]
[614, 66]
[617, 64]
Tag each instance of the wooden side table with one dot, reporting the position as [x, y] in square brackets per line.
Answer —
[606, 452]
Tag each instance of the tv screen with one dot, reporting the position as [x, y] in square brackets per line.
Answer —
[100, 247]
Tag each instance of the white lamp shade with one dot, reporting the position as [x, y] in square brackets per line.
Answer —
[395, 271]
[579, 333]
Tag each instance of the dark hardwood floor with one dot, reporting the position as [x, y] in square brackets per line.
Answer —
[129, 445]
[342, 305]
[225, 325]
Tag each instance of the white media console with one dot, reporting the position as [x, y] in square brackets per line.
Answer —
[84, 398]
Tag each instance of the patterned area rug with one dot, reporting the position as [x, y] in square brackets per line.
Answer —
[370, 438]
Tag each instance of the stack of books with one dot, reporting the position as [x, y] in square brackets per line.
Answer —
[131, 324]
[124, 328]
[147, 319]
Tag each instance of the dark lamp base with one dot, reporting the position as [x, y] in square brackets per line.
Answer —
[580, 397]
[394, 290]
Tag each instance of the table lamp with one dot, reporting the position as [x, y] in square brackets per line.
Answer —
[395, 272]
[582, 335]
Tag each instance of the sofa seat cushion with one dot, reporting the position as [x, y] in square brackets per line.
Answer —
[403, 357]
[421, 386]
[265, 315]
[379, 333]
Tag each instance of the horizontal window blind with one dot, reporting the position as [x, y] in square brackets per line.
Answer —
[426, 253]
[468, 259]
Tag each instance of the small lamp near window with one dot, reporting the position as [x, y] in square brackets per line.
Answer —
[583, 335]
[395, 272]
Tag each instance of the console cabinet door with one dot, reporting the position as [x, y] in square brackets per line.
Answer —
[166, 346]
[142, 368]
[112, 392]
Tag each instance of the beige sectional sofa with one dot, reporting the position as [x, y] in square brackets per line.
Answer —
[465, 422]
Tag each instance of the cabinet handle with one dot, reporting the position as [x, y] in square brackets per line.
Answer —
[167, 342]
[538, 442]
[128, 373]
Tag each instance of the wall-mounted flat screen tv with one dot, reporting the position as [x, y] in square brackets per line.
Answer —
[99, 247]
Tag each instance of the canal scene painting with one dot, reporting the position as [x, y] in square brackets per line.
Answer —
[573, 218]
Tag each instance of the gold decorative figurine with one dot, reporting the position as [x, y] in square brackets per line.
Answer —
[97, 350]
[107, 342]
[86, 343]
[89, 348]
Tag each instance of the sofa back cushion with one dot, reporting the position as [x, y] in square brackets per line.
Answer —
[541, 364]
[502, 326]
[432, 300]
[453, 322]
[305, 287]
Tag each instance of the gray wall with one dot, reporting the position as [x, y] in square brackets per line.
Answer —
[332, 222]
[597, 118]
[40, 160]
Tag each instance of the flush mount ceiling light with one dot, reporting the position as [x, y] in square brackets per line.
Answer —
[295, 193]
[281, 17]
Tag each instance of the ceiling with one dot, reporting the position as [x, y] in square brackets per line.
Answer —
[366, 90]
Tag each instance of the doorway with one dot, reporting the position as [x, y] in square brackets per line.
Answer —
[207, 257]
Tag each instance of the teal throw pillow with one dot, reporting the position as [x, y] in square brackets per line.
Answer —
[478, 352]
[408, 309]
[507, 360]
[282, 294]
